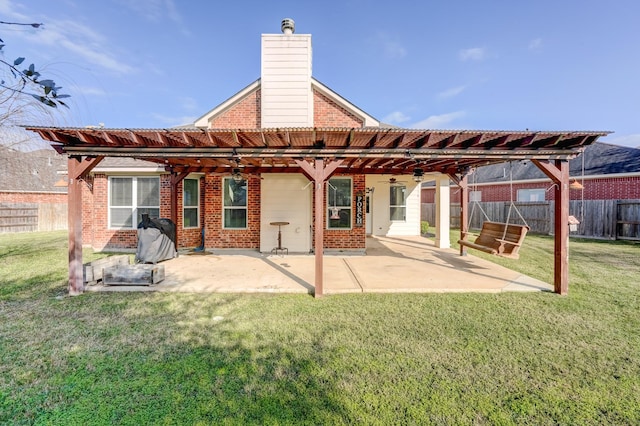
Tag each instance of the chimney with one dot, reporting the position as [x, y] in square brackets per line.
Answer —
[286, 95]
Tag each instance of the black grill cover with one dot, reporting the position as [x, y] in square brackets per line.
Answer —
[156, 240]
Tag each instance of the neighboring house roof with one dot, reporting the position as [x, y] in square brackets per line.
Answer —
[368, 120]
[599, 159]
[31, 171]
[126, 164]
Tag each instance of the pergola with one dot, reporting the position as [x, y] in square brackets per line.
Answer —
[318, 153]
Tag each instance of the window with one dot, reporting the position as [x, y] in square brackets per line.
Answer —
[190, 203]
[398, 203]
[339, 203]
[234, 195]
[130, 197]
[531, 194]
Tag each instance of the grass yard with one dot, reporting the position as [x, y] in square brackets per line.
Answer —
[146, 358]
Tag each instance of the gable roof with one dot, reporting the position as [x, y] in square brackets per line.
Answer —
[599, 159]
[31, 171]
[203, 121]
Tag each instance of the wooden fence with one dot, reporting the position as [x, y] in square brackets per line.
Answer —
[605, 219]
[29, 217]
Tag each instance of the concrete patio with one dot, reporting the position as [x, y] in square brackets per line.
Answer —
[391, 265]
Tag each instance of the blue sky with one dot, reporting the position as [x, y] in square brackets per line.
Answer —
[457, 64]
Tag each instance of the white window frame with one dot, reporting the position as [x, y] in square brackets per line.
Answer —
[329, 204]
[524, 195]
[396, 206]
[134, 200]
[196, 207]
[225, 208]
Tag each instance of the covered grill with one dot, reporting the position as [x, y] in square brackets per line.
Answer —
[156, 240]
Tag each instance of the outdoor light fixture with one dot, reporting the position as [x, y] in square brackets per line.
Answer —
[236, 175]
[418, 174]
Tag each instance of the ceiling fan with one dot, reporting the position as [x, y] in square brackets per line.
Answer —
[393, 181]
[236, 172]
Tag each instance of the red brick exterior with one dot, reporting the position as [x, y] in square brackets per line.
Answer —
[327, 113]
[622, 188]
[353, 238]
[33, 197]
[215, 235]
[95, 215]
[243, 115]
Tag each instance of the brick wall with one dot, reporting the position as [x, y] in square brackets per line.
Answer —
[243, 115]
[215, 236]
[33, 197]
[354, 238]
[246, 114]
[327, 113]
[190, 237]
[95, 214]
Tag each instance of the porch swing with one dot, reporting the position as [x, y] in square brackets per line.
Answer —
[500, 239]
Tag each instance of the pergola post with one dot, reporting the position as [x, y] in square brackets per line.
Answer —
[463, 183]
[319, 173]
[443, 211]
[77, 169]
[176, 178]
[558, 172]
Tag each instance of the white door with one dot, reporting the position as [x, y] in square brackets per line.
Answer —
[285, 197]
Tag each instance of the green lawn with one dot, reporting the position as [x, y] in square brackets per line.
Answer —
[135, 358]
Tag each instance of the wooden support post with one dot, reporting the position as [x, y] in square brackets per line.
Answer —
[176, 178]
[77, 170]
[559, 175]
[464, 212]
[319, 229]
[319, 174]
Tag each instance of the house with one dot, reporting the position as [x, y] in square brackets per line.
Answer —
[235, 212]
[33, 195]
[603, 178]
[286, 150]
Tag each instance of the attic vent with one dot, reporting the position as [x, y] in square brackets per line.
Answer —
[288, 27]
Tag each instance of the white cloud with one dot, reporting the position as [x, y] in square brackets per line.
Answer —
[90, 91]
[396, 117]
[188, 103]
[450, 93]
[391, 49]
[632, 140]
[472, 54]
[535, 44]
[157, 11]
[169, 121]
[442, 121]
[70, 36]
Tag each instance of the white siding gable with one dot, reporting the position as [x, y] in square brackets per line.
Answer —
[286, 98]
